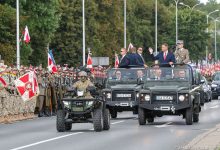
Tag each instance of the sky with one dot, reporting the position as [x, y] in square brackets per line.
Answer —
[204, 1]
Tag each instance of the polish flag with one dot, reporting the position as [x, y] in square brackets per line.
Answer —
[89, 61]
[27, 37]
[130, 46]
[116, 61]
[51, 63]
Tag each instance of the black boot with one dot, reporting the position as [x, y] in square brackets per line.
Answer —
[41, 114]
[36, 110]
[47, 112]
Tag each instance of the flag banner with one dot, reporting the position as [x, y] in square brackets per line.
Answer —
[116, 61]
[27, 86]
[130, 46]
[51, 62]
[27, 37]
[89, 61]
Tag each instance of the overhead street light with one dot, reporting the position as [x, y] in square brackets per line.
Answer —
[189, 6]
[176, 2]
[216, 37]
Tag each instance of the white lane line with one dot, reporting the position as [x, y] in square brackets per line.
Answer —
[117, 122]
[56, 138]
[164, 125]
[213, 107]
[44, 141]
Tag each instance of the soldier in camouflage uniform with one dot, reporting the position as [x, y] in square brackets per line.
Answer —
[181, 54]
[83, 84]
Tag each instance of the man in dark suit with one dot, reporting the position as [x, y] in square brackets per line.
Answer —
[140, 58]
[124, 61]
[164, 57]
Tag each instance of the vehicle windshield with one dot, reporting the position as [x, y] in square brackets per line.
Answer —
[121, 74]
[216, 77]
[168, 74]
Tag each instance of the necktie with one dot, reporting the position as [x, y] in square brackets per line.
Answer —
[164, 56]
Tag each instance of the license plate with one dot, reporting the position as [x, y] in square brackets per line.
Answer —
[79, 104]
[123, 95]
[164, 98]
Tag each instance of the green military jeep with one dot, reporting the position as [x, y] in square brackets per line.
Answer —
[169, 91]
[121, 90]
[75, 108]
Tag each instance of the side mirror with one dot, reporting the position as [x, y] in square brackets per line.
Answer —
[202, 81]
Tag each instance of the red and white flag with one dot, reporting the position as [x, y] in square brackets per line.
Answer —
[130, 46]
[27, 86]
[51, 62]
[116, 61]
[27, 37]
[89, 61]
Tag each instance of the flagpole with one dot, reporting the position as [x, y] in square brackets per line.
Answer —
[125, 45]
[17, 37]
[84, 47]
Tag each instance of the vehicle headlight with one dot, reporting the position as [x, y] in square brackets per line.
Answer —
[147, 98]
[214, 85]
[108, 95]
[137, 95]
[66, 104]
[181, 98]
[90, 103]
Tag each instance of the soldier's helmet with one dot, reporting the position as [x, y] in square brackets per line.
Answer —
[82, 74]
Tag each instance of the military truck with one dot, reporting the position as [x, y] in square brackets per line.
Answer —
[75, 108]
[169, 91]
[121, 91]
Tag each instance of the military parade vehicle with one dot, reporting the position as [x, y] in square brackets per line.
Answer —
[121, 90]
[78, 107]
[169, 91]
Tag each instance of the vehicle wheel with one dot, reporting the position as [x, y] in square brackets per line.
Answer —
[189, 116]
[61, 127]
[150, 119]
[141, 116]
[98, 120]
[68, 126]
[195, 117]
[114, 114]
[106, 119]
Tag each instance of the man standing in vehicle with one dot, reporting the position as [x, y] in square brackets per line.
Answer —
[181, 54]
[164, 57]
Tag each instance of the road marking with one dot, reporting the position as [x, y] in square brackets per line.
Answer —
[213, 107]
[117, 122]
[44, 141]
[164, 125]
[56, 138]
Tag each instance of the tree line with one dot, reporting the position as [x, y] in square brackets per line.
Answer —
[57, 24]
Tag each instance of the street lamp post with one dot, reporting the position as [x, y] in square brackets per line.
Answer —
[17, 37]
[84, 43]
[216, 38]
[207, 30]
[176, 1]
[125, 45]
[189, 6]
[156, 26]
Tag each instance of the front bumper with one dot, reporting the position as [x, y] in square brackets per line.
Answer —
[122, 104]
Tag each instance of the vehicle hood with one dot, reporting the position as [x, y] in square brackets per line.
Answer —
[125, 87]
[167, 88]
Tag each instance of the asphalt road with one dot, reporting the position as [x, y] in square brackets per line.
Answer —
[167, 133]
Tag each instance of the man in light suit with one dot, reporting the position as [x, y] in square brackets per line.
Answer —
[164, 57]
[181, 54]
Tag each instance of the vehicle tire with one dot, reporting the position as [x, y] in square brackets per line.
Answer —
[98, 120]
[61, 126]
[189, 116]
[141, 116]
[195, 117]
[114, 114]
[68, 126]
[106, 119]
[150, 119]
